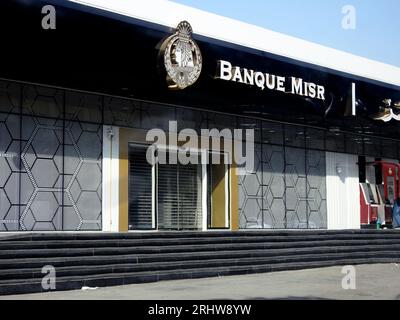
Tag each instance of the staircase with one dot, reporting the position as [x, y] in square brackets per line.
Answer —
[109, 259]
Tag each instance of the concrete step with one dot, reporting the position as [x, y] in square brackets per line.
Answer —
[98, 259]
[185, 234]
[215, 246]
[174, 243]
[131, 250]
[102, 280]
[84, 270]
[117, 257]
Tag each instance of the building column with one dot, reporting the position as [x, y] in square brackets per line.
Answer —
[111, 179]
[343, 191]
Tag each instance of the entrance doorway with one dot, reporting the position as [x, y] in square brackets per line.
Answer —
[168, 195]
[179, 196]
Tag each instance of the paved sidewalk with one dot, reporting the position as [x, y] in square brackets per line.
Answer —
[380, 281]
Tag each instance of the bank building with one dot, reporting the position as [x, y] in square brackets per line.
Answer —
[77, 101]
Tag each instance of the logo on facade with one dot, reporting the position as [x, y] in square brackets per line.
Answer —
[182, 58]
[388, 111]
[267, 81]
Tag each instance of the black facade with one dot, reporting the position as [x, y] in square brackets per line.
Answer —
[61, 86]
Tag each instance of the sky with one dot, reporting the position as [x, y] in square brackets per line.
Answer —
[375, 34]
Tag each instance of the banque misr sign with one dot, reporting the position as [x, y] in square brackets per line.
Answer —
[183, 64]
[293, 85]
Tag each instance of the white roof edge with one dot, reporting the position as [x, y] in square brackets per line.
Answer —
[210, 25]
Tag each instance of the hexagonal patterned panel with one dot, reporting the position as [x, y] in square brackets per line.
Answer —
[293, 190]
[89, 176]
[13, 215]
[44, 161]
[44, 206]
[45, 143]
[46, 192]
[12, 188]
[13, 125]
[274, 187]
[71, 159]
[27, 188]
[13, 155]
[5, 171]
[4, 204]
[269, 220]
[292, 220]
[71, 220]
[252, 185]
[28, 220]
[5, 137]
[42, 101]
[89, 205]
[296, 193]
[250, 196]
[89, 145]
[302, 213]
[277, 208]
[292, 200]
[83, 164]
[316, 189]
[277, 185]
[83, 107]
[45, 173]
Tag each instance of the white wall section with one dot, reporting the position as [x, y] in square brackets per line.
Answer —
[169, 14]
[110, 178]
[343, 195]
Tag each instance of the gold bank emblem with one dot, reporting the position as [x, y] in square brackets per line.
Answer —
[182, 58]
